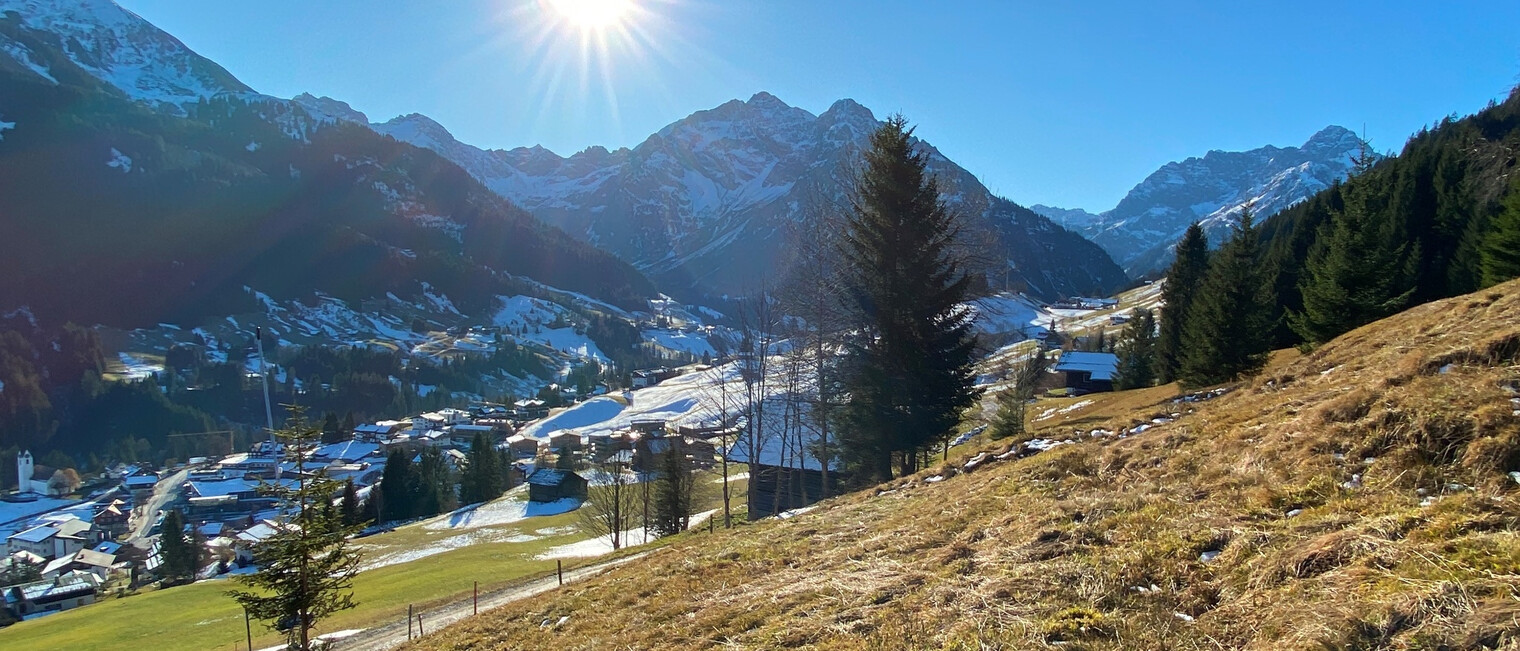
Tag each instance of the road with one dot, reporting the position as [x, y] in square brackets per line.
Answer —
[392, 635]
[163, 492]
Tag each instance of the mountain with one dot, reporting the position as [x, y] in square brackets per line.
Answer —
[1074, 219]
[705, 204]
[150, 185]
[118, 48]
[1140, 232]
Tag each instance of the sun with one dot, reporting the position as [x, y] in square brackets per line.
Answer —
[593, 15]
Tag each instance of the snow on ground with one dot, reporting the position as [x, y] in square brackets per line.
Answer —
[687, 342]
[586, 414]
[1009, 312]
[137, 368]
[690, 397]
[14, 516]
[602, 545]
[1048, 413]
[506, 510]
[529, 318]
[435, 547]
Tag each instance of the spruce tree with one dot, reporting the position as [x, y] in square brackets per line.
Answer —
[1137, 351]
[397, 486]
[1501, 247]
[306, 568]
[1355, 273]
[1013, 401]
[1182, 281]
[349, 508]
[672, 494]
[1228, 325]
[179, 553]
[909, 372]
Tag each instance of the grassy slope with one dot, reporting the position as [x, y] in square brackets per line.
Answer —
[200, 616]
[1100, 545]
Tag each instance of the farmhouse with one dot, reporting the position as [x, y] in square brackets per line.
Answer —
[782, 475]
[522, 447]
[70, 590]
[549, 484]
[1088, 372]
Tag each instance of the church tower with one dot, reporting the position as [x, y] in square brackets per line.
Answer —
[24, 471]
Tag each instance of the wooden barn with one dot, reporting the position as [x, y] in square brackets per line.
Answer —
[1088, 372]
[783, 475]
[549, 485]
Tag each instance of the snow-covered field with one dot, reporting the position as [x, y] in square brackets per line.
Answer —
[695, 343]
[602, 545]
[586, 414]
[694, 397]
[506, 510]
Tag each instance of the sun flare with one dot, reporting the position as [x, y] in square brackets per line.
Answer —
[593, 14]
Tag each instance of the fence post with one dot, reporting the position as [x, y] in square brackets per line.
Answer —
[408, 621]
[477, 599]
[419, 624]
[559, 569]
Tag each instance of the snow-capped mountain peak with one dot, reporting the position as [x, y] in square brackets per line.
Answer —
[1214, 190]
[329, 107]
[121, 49]
[705, 203]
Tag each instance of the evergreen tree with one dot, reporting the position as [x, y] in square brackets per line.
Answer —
[672, 494]
[909, 374]
[433, 491]
[1228, 326]
[1355, 272]
[179, 552]
[1137, 351]
[306, 568]
[481, 479]
[332, 432]
[350, 504]
[1501, 248]
[397, 486]
[1182, 281]
[1013, 401]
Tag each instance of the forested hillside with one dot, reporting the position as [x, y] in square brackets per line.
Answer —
[1428, 223]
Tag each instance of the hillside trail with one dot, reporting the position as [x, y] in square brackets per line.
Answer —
[393, 634]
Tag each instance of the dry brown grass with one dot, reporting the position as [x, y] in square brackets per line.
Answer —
[1353, 498]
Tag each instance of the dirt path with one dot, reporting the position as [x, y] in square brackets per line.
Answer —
[393, 634]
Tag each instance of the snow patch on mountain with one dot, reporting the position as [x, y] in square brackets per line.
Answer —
[121, 49]
[120, 161]
[1214, 190]
[5, 126]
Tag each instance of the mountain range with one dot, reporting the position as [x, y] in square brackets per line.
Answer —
[704, 206]
[1213, 190]
[150, 186]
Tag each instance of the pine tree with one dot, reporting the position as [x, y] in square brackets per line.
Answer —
[1013, 401]
[909, 373]
[1182, 281]
[481, 480]
[1355, 273]
[306, 568]
[672, 494]
[1229, 323]
[350, 504]
[397, 486]
[1137, 351]
[179, 552]
[331, 430]
[1501, 248]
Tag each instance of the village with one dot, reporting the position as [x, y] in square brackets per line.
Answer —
[62, 554]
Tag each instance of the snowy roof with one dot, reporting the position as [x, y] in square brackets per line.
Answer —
[36, 534]
[233, 486]
[108, 547]
[1102, 366]
[549, 477]
[136, 481]
[346, 451]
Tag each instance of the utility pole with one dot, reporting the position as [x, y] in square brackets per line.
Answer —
[248, 628]
[258, 336]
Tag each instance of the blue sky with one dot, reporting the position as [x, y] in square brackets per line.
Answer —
[1063, 103]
